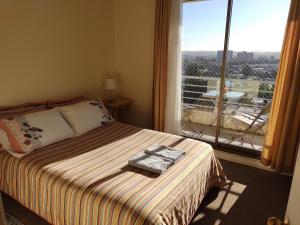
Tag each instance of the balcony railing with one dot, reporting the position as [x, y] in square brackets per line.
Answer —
[244, 96]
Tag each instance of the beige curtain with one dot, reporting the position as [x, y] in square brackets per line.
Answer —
[160, 67]
[173, 95]
[282, 136]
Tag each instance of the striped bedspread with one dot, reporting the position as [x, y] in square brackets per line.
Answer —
[86, 180]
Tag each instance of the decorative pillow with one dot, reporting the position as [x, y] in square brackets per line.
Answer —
[23, 134]
[86, 115]
[107, 117]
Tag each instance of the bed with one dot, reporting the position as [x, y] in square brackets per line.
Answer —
[86, 180]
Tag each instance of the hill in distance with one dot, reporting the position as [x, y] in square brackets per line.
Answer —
[212, 54]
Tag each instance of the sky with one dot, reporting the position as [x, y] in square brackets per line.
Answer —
[256, 25]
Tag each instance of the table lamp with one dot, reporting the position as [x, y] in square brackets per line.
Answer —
[110, 84]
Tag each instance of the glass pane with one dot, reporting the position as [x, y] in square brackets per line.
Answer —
[256, 35]
[203, 28]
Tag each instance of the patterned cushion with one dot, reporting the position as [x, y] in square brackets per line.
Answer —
[23, 134]
[106, 117]
[86, 115]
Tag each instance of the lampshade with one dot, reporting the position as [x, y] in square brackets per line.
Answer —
[110, 84]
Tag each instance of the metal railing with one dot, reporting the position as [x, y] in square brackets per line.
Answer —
[197, 108]
[192, 94]
[249, 85]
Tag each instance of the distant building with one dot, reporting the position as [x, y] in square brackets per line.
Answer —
[220, 56]
[245, 55]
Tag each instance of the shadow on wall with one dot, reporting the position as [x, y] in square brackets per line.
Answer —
[139, 118]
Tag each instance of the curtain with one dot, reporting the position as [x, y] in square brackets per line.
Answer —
[282, 136]
[160, 67]
[173, 96]
[166, 68]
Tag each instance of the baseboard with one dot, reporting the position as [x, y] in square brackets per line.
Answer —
[248, 161]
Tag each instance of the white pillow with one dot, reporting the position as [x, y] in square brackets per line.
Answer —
[83, 116]
[23, 134]
[54, 127]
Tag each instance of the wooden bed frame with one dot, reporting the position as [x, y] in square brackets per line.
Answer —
[2, 213]
[10, 111]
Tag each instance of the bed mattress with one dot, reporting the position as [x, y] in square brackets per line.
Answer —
[86, 180]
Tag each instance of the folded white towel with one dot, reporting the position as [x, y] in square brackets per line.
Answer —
[164, 152]
[150, 163]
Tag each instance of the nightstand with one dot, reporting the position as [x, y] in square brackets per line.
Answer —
[118, 107]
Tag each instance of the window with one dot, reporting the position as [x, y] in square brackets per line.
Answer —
[224, 93]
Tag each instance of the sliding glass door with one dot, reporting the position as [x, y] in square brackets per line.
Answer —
[231, 52]
[203, 31]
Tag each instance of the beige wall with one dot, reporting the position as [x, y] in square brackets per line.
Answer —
[293, 207]
[59, 49]
[134, 41]
[54, 49]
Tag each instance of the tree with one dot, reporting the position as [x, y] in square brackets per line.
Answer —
[247, 71]
[192, 69]
[266, 91]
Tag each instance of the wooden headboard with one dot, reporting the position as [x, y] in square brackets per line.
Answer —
[52, 104]
[11, 111]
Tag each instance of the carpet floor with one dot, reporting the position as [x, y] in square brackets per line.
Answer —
[10, 220]
[251, 196]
